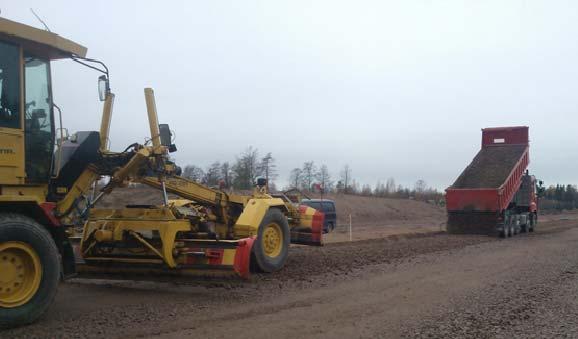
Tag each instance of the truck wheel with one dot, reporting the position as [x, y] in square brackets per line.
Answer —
[30, 266]
[504, 232]
[524, 228]
[516, 224]
[533, 222]
[272, 245]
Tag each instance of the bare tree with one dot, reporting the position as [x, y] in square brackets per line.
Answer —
[194, 173]
[213, 174]
[354, 187]
[420, 186]
[245, 169]
[380, 189]
[267, 168]
[308, 175]
[390, 187]
[366, 190]
[346, 178]
[226, 174]
[295, 177]
[324, 178]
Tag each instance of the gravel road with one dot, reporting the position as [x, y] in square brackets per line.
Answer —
[434, 285]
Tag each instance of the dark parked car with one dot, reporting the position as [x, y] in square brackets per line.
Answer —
[328, 208]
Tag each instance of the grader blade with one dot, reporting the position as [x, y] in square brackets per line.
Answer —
[188, 258]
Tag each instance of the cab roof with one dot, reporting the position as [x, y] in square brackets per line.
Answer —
[38, 41]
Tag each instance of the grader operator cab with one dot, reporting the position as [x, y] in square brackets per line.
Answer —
[49, 227]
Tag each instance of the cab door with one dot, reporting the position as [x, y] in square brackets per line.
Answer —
[39, 125]
[11, 118]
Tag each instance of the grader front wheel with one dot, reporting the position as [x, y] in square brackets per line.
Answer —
[29, 270]
[21, 273]
[272, 244]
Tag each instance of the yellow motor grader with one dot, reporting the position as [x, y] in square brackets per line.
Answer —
[49, 227]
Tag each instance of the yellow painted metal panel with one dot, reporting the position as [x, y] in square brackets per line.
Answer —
[20, 198]
[229, 256]
[11, 156]
[248, 222]
[61, 47]
[29, 193]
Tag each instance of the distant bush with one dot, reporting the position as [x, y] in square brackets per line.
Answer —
[559, 197]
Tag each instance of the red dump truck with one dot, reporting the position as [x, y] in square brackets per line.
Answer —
[495, 194]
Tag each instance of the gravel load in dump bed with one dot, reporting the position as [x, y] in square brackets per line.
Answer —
[491, 167]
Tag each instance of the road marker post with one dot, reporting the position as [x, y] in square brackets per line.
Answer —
[350, 232]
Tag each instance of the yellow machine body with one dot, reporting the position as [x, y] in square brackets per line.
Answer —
[186, 237]
[49, 193]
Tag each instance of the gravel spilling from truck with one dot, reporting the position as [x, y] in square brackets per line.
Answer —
[491, 167]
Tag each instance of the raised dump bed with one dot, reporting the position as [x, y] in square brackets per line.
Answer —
[481, 199]
[491, 167]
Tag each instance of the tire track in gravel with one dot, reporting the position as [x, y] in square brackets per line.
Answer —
[538, 301]
[117, 309]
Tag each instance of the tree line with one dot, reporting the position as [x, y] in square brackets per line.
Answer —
[242, 173]
[315, 179]
[559, 197]
[238, 175]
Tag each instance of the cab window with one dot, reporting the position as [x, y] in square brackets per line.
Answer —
[315, 205]
[39, 126]
[9, 86]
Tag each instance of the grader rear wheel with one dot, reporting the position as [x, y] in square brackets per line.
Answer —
[272, 244]
[30, 267]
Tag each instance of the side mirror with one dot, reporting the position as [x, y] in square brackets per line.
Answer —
[62, 134]
[103, 87]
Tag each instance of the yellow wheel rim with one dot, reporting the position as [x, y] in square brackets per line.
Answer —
[21, 273]
[272, 240]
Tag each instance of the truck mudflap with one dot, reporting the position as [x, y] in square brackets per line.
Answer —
[194, 258]
[472, 222]
[310, 229]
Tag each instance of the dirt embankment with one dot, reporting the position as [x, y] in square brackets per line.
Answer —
[363, 210]
[384, 211]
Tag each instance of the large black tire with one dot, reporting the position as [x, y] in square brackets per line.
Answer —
[533, 222]
[16, 228]
[504, 232]
[507, 227]
[263, 261]
[524, 228]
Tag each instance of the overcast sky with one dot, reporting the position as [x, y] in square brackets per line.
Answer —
[393, 88]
